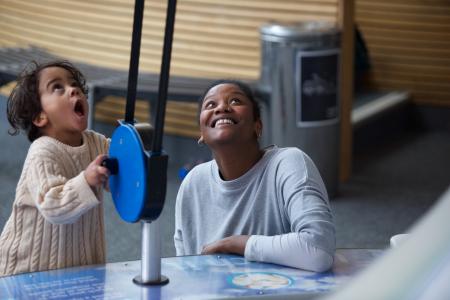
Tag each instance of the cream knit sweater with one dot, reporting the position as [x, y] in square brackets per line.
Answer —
[57, 219]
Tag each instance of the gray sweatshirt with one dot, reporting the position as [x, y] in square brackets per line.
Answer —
[281, 202]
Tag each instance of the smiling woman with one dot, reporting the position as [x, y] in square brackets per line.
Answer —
[266, 204]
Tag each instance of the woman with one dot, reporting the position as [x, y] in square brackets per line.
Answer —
[269, 205]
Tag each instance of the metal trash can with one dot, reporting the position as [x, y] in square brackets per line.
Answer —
[300, 68]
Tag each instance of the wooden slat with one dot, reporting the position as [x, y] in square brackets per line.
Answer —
[409, 44]
[293, 5]
[387, 54]
[109, 34]
[259, 13]
[416, 76]
[416, 7]
[404, 25]
[88, 24]
[438, 47]
[43, 31]
[408, 84]
[408, 35]
[426, 14]
[395, 66]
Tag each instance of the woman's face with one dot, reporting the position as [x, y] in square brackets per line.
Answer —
[227, 117]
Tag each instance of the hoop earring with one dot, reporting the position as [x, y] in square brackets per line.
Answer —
[200, 141]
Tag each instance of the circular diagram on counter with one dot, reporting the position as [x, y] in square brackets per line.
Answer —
[260, 280]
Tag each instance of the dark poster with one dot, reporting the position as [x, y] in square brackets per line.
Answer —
[317, 87]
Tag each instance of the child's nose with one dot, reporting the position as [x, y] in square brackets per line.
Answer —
[74, 91]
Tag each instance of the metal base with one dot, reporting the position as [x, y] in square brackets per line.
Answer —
[162, 281]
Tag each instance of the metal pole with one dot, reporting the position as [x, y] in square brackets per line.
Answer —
[151, 255]
[151, 252]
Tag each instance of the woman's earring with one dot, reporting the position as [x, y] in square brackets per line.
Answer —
[200, 141]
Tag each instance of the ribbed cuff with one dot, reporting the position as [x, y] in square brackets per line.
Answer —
[251, 252]
[85, 193]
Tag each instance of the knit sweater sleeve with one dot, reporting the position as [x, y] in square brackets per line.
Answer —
[311, 243]
[60, 200]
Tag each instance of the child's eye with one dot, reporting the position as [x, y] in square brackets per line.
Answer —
[57, 87]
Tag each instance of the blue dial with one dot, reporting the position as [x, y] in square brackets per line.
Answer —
[128, 186]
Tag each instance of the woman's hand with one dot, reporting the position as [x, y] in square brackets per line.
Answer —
[96, 175]
[233, 244]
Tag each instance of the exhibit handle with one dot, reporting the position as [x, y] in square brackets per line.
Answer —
[164, 76]
[134, 61]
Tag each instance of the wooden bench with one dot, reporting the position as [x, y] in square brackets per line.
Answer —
[183, 92]
[372, 104]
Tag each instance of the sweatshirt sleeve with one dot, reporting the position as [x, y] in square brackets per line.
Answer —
[311, 243]
[59, 199]
[178, 236]
[290, 249]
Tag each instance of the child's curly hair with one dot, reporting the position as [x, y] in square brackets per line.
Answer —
[24, 102]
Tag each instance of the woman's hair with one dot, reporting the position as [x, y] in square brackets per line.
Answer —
[24, 102]
[242, 86]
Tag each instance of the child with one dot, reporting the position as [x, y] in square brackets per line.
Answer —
[57, 215]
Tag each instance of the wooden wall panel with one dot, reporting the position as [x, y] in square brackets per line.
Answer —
[212, 38]
[409, 45]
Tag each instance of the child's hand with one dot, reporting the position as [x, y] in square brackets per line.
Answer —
[96, 175]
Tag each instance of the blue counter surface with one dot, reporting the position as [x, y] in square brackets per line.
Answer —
[190, 277]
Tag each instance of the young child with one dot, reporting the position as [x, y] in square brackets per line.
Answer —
[57, 215]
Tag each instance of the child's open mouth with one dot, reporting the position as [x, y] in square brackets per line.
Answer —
[79, 108]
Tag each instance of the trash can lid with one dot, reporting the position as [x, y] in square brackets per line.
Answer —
[277, 32]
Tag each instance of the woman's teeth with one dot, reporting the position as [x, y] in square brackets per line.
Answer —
[224, 121]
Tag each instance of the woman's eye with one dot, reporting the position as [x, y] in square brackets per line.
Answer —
[209, 105]
[235, 101]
